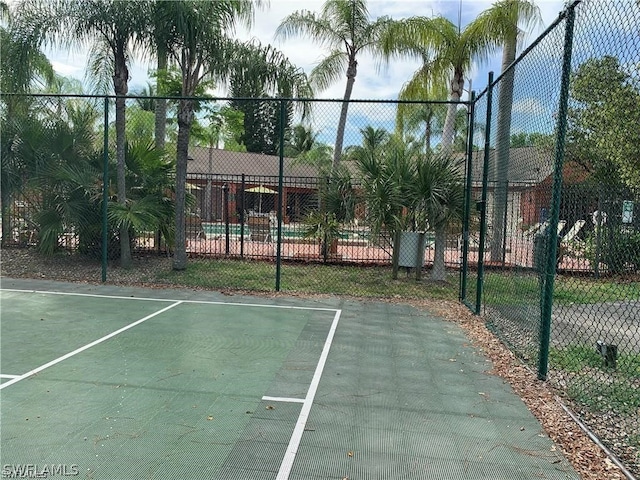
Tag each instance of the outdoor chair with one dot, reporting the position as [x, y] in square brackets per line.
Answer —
[569, 243]
[533, 229]
[259, 228]
[193, 228]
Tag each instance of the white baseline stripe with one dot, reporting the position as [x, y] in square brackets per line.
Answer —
[296, 436]
[283, 399]
[206, 302]
[2, 375]
[89, 345]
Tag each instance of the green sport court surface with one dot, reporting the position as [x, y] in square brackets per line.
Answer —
[122, 383]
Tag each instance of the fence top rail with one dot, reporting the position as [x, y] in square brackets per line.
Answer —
[235, 99]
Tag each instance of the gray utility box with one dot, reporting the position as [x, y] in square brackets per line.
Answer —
[409, 254]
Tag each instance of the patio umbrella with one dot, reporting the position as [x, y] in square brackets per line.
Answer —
[261, 189]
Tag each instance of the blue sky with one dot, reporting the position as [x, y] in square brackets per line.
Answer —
[373, 81]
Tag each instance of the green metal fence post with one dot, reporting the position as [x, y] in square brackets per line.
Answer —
[105, 189]
[551, 264]
[467, 199]
[225, 218]
[483, 202]
[283, 105]
[242, 219]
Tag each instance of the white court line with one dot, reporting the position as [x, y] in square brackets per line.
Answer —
[4, 375]
[283, 399]
[89, 345]
[205, 302]
[296, 436]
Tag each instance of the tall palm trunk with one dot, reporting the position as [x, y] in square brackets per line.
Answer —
[121, 88]
[439, 271]
[395, 253]
[185, 119]
[448, 131]
[6, 191]
[6, 217]
[427, 133]
[352, 71]
[160, 116]
[161, 103]
[503, 131]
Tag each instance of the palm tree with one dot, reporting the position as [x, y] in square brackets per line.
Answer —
[301, 140]
[22, 68]
[406, 189]
[412, 116]
[388, 179]
[439, 188]
[373, 140]
[446, 53]
[199, 45]
[51, 145]
[202, 50]
[23, 63]
[319, 156]
[111, 27]
[428, 115]
[160, 36]
[305, 148]
[345, 28]
[260, 72]
[72, 197]
[151, 205]
[501, 24]
[145, 98]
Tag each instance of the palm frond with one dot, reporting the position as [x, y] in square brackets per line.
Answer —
[349, 18]
[307, 23]
[505, 19]
[99, 73]
[329, 70]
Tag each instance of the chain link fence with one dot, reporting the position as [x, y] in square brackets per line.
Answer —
[265, 194]
[554, 261]
[548, 238]
[52, 171]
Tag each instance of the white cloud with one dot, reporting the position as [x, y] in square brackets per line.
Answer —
[372, 82]
[529, 105]
[67, 70]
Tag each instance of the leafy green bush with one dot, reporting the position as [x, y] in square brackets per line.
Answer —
[618, 248]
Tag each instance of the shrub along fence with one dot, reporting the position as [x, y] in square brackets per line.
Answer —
[276, 194]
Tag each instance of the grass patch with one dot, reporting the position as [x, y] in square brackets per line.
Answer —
[504, 288]
[500, 288]
[574, 358]
[601, 389]
[591, 290]
[605, 395]
[308, 278]
[629, 365]
[223, 275]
